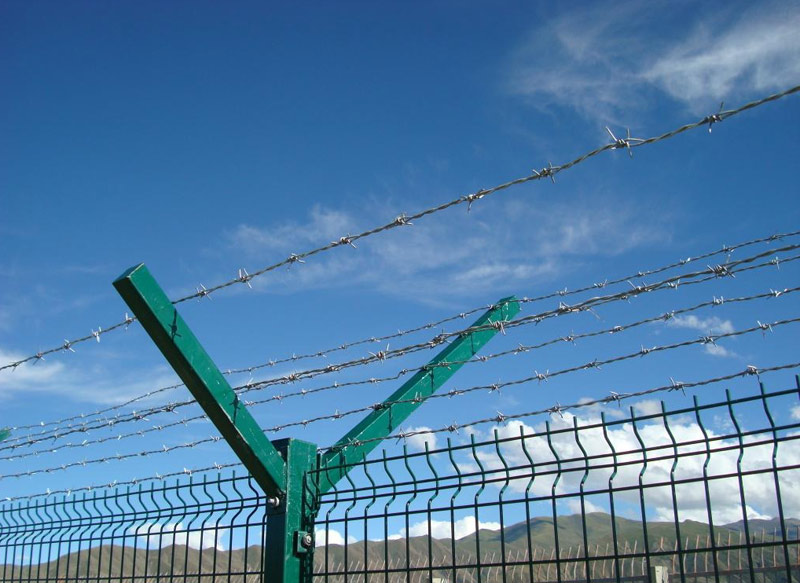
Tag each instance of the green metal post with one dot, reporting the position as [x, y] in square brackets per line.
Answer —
[194, 366]
[4, 433]
[289, 540]
[366, 435]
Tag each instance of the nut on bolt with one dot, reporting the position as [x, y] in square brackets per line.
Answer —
[273, 502]
[307, 541]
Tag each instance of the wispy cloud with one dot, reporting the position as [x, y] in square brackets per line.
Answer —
[710, 325]
[96, 384]
[323, 225]
[614, 57]
[445, 256]
[719, 350]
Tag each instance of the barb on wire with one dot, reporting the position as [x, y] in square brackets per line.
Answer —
[559, 409]
[347, 345]
[538, 376]
[613, 397]
[541, 377]
[689, 279]
[403, 220]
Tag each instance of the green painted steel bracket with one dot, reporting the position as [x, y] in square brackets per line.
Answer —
[4, 433]
[194, 366]
[389, 415]
[289, 542]
[280, 468]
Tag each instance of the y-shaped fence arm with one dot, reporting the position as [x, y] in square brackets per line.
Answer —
[290, 516]
[194, 366]
[390, 414]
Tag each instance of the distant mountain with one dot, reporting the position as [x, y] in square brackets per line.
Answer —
[435, 557]
[770, 526]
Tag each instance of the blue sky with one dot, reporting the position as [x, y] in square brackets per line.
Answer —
[201, 138]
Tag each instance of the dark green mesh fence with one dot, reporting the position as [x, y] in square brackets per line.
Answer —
[707, 493]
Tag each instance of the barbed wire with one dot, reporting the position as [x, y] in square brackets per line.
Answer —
[726, 249]
[550, 171]
[537, 376]
[558, 409]
[711, 273]
[418, 399]
[520, 349]
[613, 397]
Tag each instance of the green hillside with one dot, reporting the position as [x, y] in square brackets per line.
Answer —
[425, 558]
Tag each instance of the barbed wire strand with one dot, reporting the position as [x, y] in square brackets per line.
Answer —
[419, 399]
[712, 272]
[537, 376]
[571, 338]
[549, 171]
[726, 249]
[613, 397]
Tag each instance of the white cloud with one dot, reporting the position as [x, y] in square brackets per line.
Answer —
[759, 52]
[707, 326]
[647, 407]
[718, 350]
[442, 257]
[164, 535]
[574, 506]
[417, 442]
[710, 325]
[323, 537]
[96, 384]
[795, 412]
[607, 58]
[725, 496]
[445, 529]
[323, 225]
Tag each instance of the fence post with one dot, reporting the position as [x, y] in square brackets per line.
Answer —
[289, 544]
[659, 575]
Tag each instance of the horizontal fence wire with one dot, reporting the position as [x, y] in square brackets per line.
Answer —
[55, 448]
[711, 273]
[707, 492]
[550, 171]
[695, 491]
[84, 418]
[536, 377]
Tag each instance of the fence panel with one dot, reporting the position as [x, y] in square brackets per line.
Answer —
[200, 531]
[603, 499]
[709, 492]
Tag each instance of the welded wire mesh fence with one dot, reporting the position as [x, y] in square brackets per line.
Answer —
[209, 530]
[709, 492]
